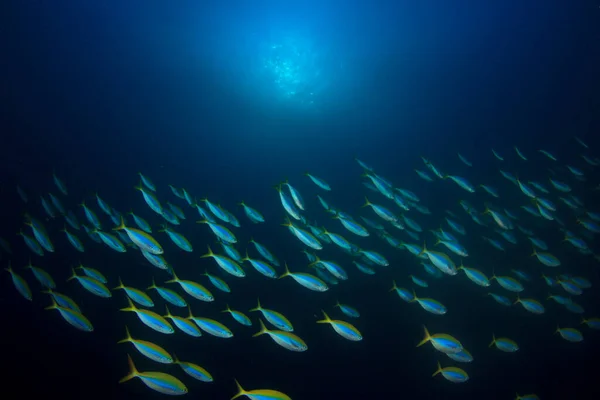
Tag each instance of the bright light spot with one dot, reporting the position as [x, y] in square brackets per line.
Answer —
[292, 68]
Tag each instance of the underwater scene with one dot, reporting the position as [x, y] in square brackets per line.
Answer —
[313, 200]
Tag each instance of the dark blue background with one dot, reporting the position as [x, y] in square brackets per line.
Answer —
[98, 91]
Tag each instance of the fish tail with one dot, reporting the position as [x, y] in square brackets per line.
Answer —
[121, 225]
[439, 369]
[493, 340]
[367, 202]
[240, 389]
[426, 338]
[326, 319]
[286, 273]
[121, 286]
[153, 286]
[131, 307]
[168, 312]
[394, 287]
[127, 338]
[53, 306]
[73, 275]
[263, 329]
[227, 309]
[132, 371]
[257, 308]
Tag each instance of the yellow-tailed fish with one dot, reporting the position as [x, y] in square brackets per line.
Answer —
[141, 239]
[287, 340]
[159, 381]
[149, 349]
[344, 329]
[260, 394]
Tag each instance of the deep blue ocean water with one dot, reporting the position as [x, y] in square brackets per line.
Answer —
[185, 94]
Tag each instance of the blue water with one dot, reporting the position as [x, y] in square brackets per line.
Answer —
[227, 100]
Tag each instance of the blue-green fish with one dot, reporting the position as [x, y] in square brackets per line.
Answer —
[227, 264]
[73, 317]
[210, 326]
[19, 283]
[136, 295]
[285, 339]
[238, 316]
[74, 240]
[192, 288]
[307, 280]
[150, 319]
[91, 285]
[453, 374]
[158, 381]
[193, 370]
[318, 181]
[347, 310]
[275, 318]
[342, 328]
[148, 349]
[111, 241]
[570, 334]
[430, 305]
[252, 214]
[43, 277]
[220, 231]
[150, 199]
[178, 239]
[442, 342]
[187, 326]
[504, 344]
[141, 239]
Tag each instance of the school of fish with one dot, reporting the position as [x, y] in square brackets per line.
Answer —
[440, 248]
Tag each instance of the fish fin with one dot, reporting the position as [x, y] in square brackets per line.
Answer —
[73, 275]
[426, 339]
[326, 319]
[127, 338]
[439, 369]
[132, 371]
[240, 389]
[263, 329]
[53, 306]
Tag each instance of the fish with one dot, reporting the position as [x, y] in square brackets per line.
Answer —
[187, 326]
[158, 381]
[150, 319]
[570, 334]
[194, 370]
[141, 239]
[73, 317]
[442, 342]
[318, 181]
[148, 349]
[275, 318]
[192, 288]
[348, 310]
[307, 280]
[136, 295]
[210, 326]
[430, 305]
[453, 374]
[260, 394]
[504, 344]
[344, 329]
[285, 339]
[91, 285]
[238, 316]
